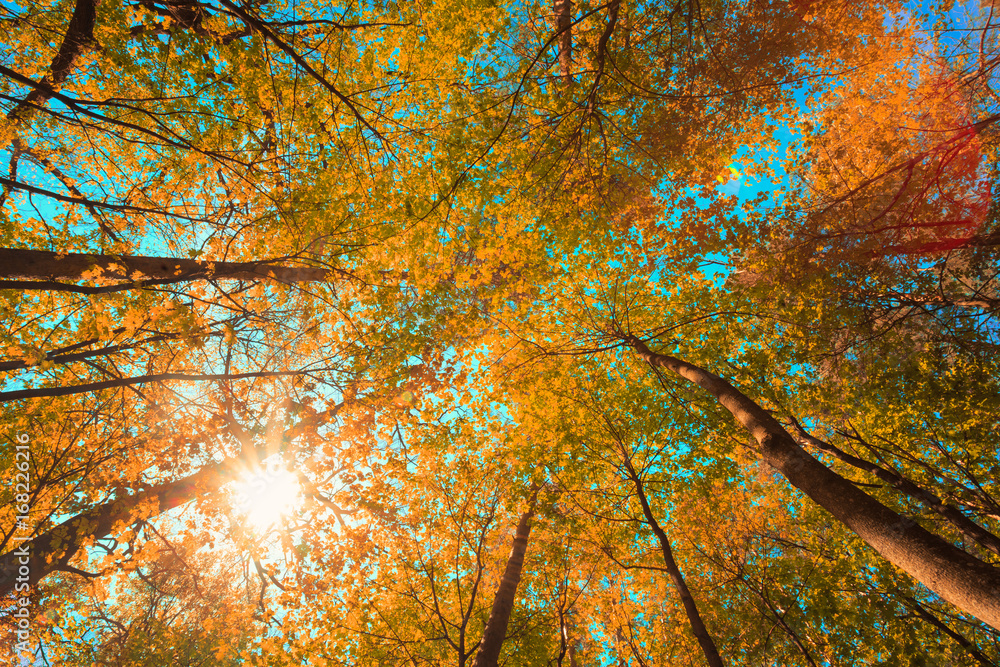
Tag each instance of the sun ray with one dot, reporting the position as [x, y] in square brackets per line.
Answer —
[266, 497]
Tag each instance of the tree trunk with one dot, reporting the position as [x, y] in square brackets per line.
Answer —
[956, 576]
[503, 602]
[569, 643]
[79, 35]
[70, 390]
[564, 30]
[53, 549]
[690, 608]
[41, 270]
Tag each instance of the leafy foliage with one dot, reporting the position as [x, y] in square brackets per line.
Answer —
[529, 301]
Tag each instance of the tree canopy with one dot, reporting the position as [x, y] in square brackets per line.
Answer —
[475, 332]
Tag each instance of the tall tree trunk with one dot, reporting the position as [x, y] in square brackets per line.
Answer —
[690, 607]
[569, 642]
[42, 269]
[503, 602]
[956, 576]
[79, 35]
[564, 29]
[69, 390]
[52, 550]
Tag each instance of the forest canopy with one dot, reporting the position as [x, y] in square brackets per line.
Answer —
[482, 333]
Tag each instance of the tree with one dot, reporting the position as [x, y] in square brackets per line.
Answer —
[168, 610]
[953, 574]
[461, 275]
[168, 137]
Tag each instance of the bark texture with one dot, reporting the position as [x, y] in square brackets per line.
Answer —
[503, 602]
[956, 576]
[564, 29]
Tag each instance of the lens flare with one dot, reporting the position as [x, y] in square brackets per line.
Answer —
[265, 497]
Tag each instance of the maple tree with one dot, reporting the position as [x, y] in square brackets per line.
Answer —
[460, 280]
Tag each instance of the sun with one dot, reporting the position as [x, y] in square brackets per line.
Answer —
[265, 498]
